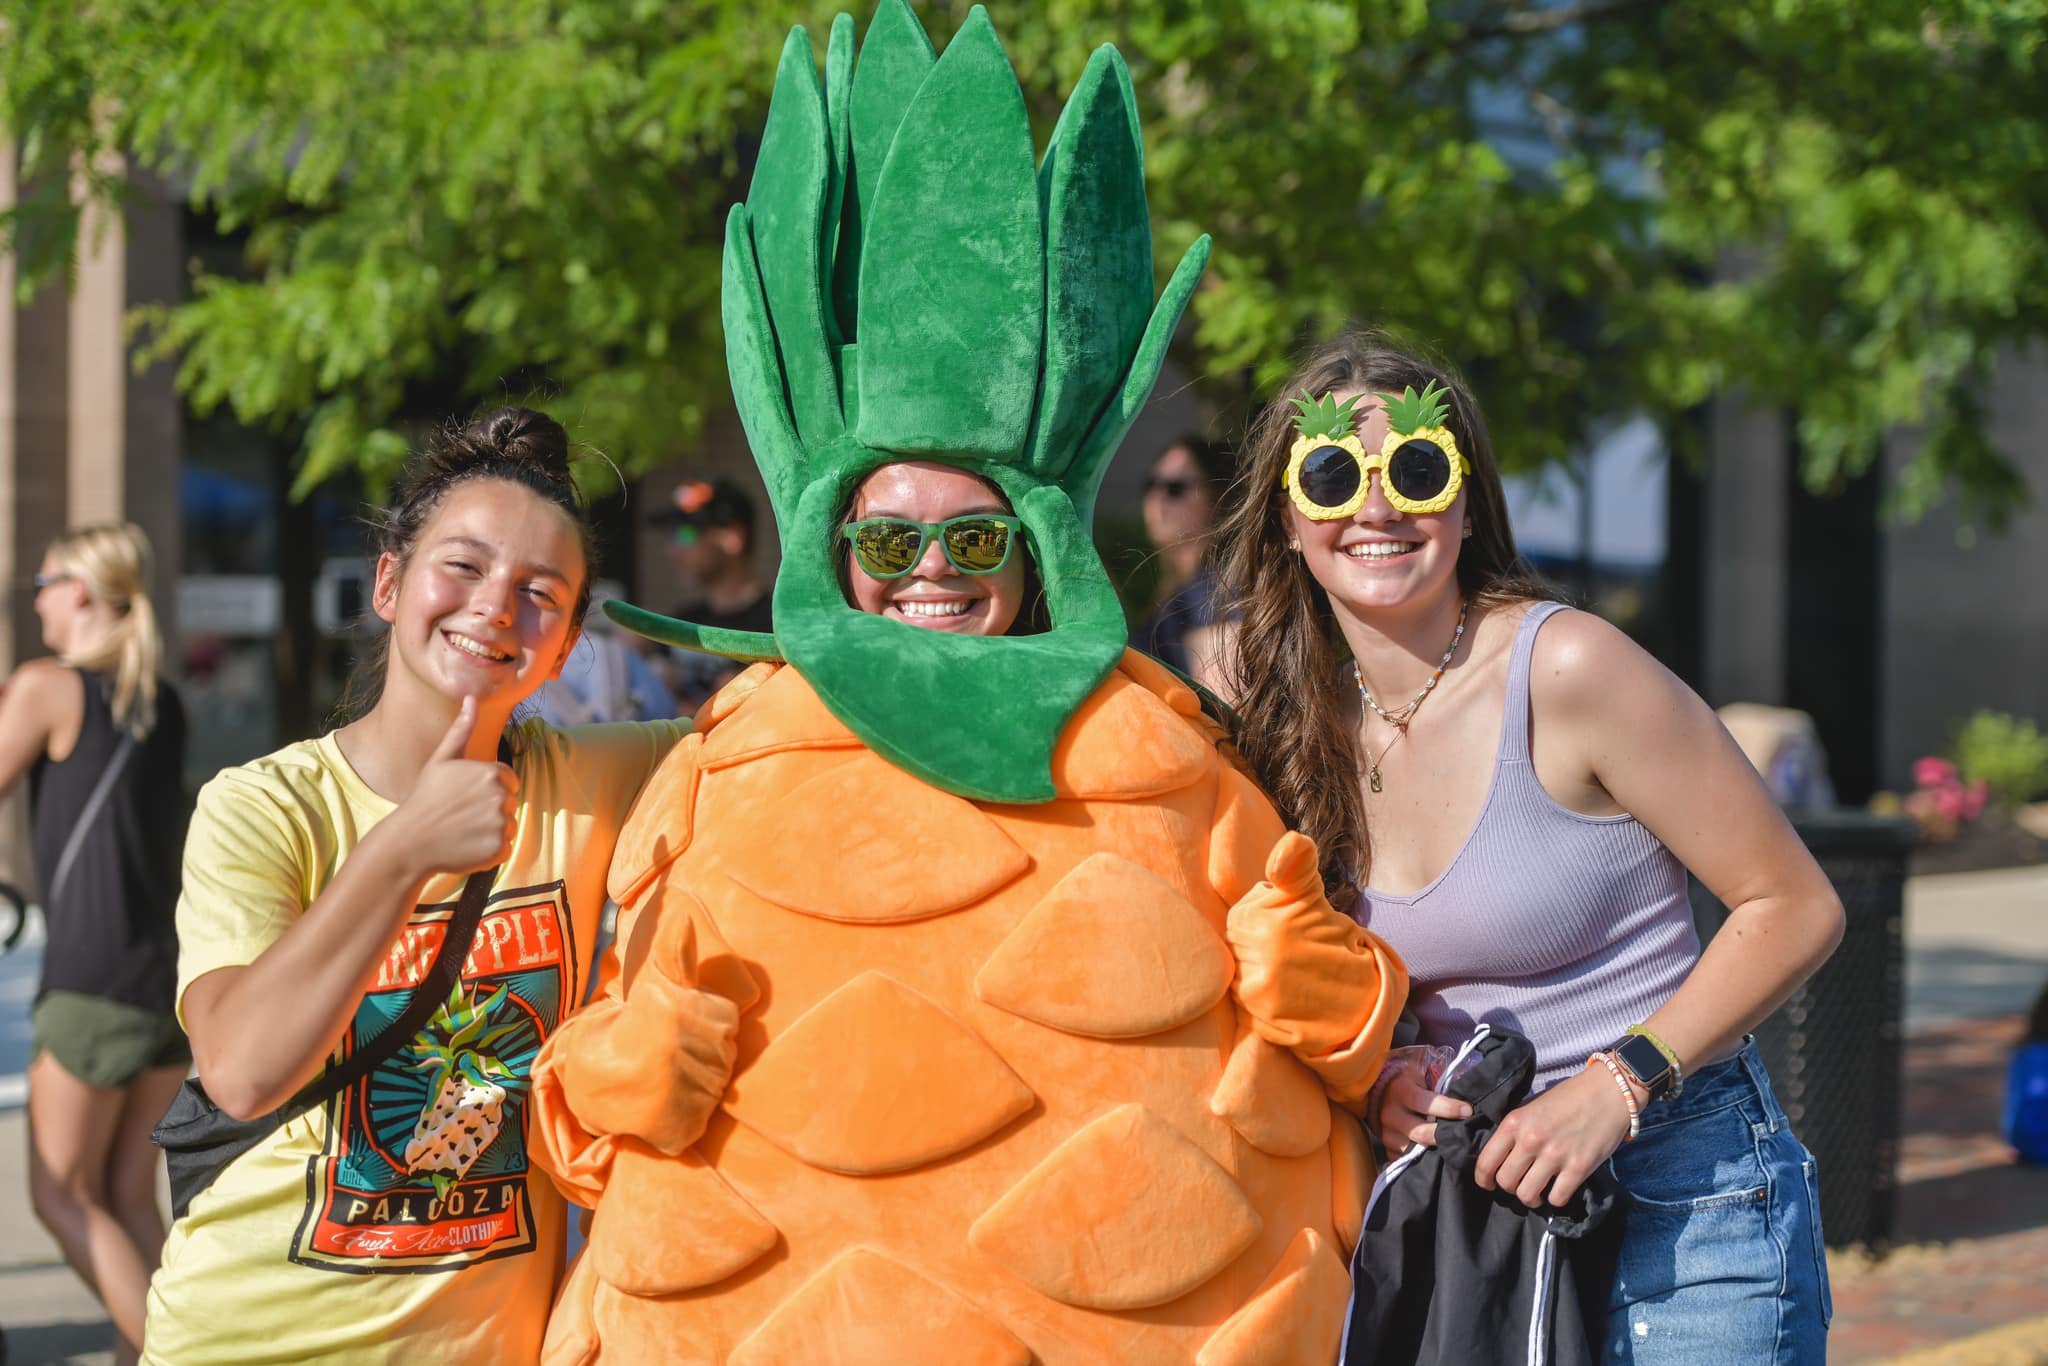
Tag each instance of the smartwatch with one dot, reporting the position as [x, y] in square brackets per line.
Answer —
[1645, 1062]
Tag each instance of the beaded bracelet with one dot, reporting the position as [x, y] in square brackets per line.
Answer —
[1393, 1067]
[1677, 1087]
[1628, 1095]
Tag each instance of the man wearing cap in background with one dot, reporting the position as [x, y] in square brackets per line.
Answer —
[710, 525]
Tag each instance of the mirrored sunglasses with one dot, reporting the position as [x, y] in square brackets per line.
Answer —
[890, 547]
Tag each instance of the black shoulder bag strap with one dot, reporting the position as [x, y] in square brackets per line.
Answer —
[200, 1139]
[431, 994]
[123, 749]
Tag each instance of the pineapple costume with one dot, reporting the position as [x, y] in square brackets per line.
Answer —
[969, 1004]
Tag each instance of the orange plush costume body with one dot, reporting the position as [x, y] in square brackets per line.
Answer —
[994, 1100]
[969, 1004]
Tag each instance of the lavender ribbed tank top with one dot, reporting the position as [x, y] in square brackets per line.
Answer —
[1562, 927]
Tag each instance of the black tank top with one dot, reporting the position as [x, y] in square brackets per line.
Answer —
[112, 933]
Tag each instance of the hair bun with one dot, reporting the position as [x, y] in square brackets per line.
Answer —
[518, 444]
[516, 435]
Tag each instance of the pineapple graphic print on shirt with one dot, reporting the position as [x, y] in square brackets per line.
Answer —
[467, 1084]
[425, 1164]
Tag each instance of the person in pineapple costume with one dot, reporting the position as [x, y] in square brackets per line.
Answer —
[969, 1003]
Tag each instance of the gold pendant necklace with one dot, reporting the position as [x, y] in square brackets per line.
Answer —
[1401, 719]
[1372, 765]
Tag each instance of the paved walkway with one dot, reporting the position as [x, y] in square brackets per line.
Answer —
[47, 1313]
[1967, 1282]
[1976, 944]
[1972, 1224]
[1966, 1286]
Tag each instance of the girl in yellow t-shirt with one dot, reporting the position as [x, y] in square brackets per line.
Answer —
[402, 1220]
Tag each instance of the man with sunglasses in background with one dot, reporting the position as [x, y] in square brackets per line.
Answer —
[710, 541]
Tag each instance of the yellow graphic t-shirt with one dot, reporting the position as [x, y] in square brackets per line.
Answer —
[402, 1221]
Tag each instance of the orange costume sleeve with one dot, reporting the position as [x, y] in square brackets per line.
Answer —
[649, 1058]
[1311, 978]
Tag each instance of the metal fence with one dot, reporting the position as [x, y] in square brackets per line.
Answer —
[1833, 1050]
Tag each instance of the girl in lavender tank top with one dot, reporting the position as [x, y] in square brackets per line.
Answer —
[1512, 794]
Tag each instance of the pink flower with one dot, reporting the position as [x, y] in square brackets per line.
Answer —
[1974, 797]
[1934, 771]
[1949, 803]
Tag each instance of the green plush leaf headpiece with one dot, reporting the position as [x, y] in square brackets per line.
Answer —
[905, 283]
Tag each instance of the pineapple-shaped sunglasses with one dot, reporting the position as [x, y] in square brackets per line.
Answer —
[1330, 475]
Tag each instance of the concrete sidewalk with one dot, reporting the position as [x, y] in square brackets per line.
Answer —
[46, 1311]
[1967, 1285]
[1976, 944]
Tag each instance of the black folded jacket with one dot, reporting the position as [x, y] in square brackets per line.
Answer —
[1447, 1272]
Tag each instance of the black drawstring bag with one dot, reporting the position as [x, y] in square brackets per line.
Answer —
[200, 1139]
[1447, 1272]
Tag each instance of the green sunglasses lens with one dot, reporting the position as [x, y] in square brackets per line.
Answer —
[1419, 471]
[888, 550]
[977, 545]
[890, 547]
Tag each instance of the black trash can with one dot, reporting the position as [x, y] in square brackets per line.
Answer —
[1833, 1050]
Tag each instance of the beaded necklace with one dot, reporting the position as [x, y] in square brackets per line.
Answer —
[1400, 717]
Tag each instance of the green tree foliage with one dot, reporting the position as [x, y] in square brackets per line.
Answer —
[1839, 207]
[2005, 753]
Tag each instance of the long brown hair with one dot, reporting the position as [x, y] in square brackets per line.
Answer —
[1291, 722]
[113, 561]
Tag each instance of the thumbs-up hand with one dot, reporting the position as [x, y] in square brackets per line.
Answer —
[460, 814]
[1305, 972]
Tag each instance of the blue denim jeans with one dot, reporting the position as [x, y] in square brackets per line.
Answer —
[1722, 1260]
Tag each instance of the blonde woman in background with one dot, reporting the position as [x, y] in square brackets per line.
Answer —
[102, 739]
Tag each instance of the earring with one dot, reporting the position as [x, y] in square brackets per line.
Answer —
[1468, 531]
[1294, 546]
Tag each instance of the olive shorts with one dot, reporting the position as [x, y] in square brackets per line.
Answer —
[107, 1044]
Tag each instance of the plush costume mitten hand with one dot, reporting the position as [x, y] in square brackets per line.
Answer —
[657, 1062]
[1311, 977]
